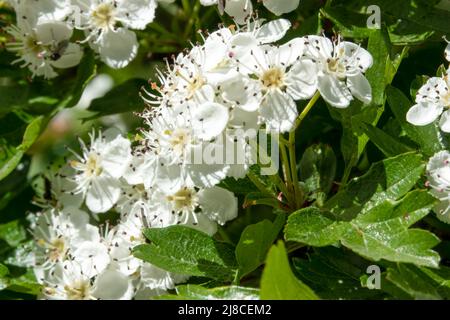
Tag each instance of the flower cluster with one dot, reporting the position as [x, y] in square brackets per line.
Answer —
[76, 259]
[199, 125]
[438, 173]
[44, 29]
[433, 101]
[241, 10]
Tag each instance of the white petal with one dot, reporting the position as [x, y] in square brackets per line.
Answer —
[273, 30]
[118, 48]
[137, 14]
[53, 32]
[155, 278]
[290, 52]
[334, 91]
[218, 204]
[360, 87]
[279, 112]
[432, 91]
[444, 122]
[93, 257]
[301, 80]
[103, 194]
[423, 113]
[244, 93]
[208, 167]
[209, 120]
[319, 47]
[113, 285]
[239, 10]
[70, 58]
[208, 2]
[447, 52]
[116, 157]
[280, 7]
[361, 57]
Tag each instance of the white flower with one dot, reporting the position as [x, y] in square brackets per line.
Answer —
[282, 78]
[99, 168]
[116, 45]
[68, 282]
[36, 12]
[438, 173]
[447, 52]
[44, 47]
[241, 10]
[58, 234]
[431, 100]
[281, 7]
[341, 70]
[181, 140]
[199, 208]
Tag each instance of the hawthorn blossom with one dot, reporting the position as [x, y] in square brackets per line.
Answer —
[199, 208]
[57, 233]
[99, 168]
[432, 100]
[438, 173]
[341, 65]
[447, 52]
[44, 47]
[100, 20]
[241, 10]
[282, 78]
[69, 282]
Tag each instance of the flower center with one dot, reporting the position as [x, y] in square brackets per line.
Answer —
[57, 250]
[335, 66]
[103, 16]
[273, 79]
[183, 199]
[79, 290]
[31, 45]
[178, 139]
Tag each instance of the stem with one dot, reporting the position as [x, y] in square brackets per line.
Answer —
[225, 237]
[305, 111]
[298, 194]
[261, 187]
[193, 19]
[290, 195]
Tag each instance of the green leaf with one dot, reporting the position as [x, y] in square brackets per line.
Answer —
[25, 284]
[13, 233]
[312, 227]
[86, 71]
[318, 170]
[122, 98]
[10, 156]
[389, 145]
[428, 138]
[255, 241]
[4, 272]
[278, 282]
[413, 281]
[335, 273]
[389, 179]
[184, 250]
[196, 292]
[381, 232]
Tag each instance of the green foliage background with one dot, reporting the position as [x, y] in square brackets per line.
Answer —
[362, 167]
